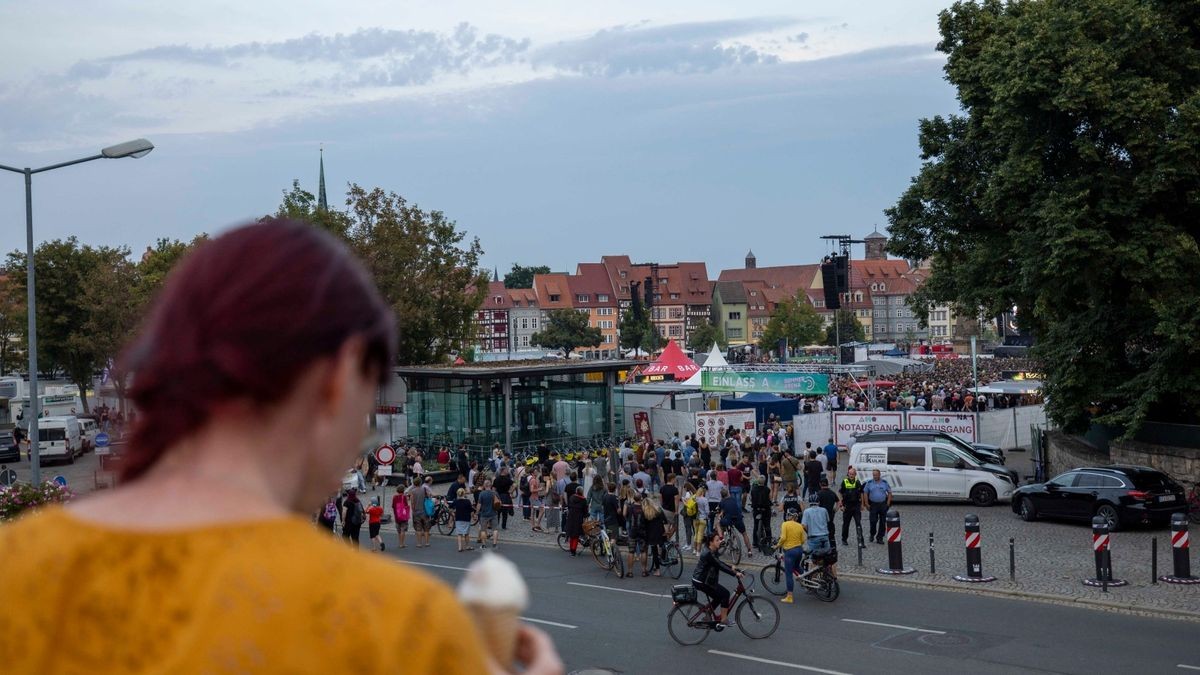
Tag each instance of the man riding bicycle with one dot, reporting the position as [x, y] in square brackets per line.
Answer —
[731, 517]
[707, 575]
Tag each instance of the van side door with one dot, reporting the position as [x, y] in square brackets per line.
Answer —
[906, 470]
[946, 479]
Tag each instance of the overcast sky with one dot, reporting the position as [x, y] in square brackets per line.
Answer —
[555, 132]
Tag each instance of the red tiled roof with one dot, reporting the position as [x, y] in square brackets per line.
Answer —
[592, 279]
[546, 285]
[522, 297]
[497, 297]
[792, 278]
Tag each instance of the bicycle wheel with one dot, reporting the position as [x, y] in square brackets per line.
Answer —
[828, 589]
[757, 617]
[672, 563]
[731, 550]
[679, 620]
[601, 557]
[444, 524]
[773, 580]
[618, 562]
[564, 542]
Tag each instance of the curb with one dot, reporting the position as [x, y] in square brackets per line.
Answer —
[1005, 593]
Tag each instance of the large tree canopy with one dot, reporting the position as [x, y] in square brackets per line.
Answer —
[566, 329]
[522, 276]
[794, 320]
[1069, 187]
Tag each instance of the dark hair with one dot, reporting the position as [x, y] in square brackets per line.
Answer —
[240, 318]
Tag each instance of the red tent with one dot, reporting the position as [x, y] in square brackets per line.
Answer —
[674, 362]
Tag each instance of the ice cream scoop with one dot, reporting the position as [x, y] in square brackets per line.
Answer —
[495, 594]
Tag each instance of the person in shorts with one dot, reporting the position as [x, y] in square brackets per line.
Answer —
[421, 521]
[375, 522]
[463, 510]
[486, 501]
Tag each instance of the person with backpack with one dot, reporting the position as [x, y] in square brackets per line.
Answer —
[328, 514]
[522, 477]
[352, 516]
[401, 512]
[635, 522]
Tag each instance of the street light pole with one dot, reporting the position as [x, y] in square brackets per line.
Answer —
[136, 148]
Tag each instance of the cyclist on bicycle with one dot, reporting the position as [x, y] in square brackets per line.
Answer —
[707, 575]
[731, 516]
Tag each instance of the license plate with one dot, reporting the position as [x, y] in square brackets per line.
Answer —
[1167, 498]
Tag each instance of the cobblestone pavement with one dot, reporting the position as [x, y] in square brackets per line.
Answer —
[1052, 558]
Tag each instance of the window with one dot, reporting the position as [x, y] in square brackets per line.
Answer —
[499, 300]
[734, 333]
[674, 296]
[602, 298]
[819, 303]
[623, 275]
[524, 324]
[524, 340]
[533, 323]
[906, 456]
[858, 296]
[581, 298]
[662, 280]
[675, 331]
[607, 338]
[735, 316]
[1065, 480]
[899, 314]
[657, 297]
[675, 312]
[554, 298]
[882, 287]
[605, 311]
[879, 328]
[944, 458]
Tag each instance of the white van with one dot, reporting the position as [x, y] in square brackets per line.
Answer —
[59, 438]
[88, 429]
[932, 470]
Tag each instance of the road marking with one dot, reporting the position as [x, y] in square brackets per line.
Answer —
[549, 623]
[1186, 666]
[619, 590]
[893, 625]
[784, 664]
[442, 567]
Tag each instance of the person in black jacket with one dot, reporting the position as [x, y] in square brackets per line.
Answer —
[706, 577]
[760, 505]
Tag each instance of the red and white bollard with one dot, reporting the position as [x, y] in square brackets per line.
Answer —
[1180, 552]
[1100, 548]
[974, 555]
[895, 552]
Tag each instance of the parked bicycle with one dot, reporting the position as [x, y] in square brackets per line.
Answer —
[690, 622]
[671, 560]
[605, 551]
[442, 517]
[817, 579]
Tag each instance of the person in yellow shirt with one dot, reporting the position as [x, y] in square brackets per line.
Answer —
[791, 541]
[253, 379]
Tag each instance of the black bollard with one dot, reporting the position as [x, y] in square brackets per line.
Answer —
[932, 562]
[1100, 549]
[974, 555]
[1180, 552]
[1012, 559]
[895, 552]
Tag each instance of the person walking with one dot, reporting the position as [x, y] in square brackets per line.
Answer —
[700, 523]
[831, 459]
[713, 493]
[375, 522]
[486, 504]
[879, 499]
[635, 523]
[688, 509]
[668, 499]
[503, 485]
[536, 487]
[419, 494]
[792, 537]
[852, 498]
[353, 515]
[812, 474]
[401, 513]
[656, 534]
[463, 510]
[595, 500]
[760, 506]
[789, 467]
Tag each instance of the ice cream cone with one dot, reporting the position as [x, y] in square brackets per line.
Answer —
[498, 628]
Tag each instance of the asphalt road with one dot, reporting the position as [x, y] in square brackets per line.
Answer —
[601, 622]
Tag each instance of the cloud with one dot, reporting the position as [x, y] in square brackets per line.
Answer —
[677, 48]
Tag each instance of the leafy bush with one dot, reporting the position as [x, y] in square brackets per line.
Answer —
[22, 497]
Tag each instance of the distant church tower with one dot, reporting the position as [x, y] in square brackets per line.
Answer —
[751, 261]
[322, 204]
[876, 245]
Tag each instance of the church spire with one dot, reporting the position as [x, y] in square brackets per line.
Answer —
[496, 274]
[322, 204]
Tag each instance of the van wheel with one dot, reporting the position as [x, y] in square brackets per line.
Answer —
[983, 495]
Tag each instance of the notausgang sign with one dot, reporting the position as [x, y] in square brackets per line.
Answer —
[771, 383]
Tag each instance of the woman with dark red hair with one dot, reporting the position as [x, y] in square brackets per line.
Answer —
[253, 379]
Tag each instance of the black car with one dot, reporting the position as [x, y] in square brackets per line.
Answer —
[9, 452]
[989, 454]
[1122, 495]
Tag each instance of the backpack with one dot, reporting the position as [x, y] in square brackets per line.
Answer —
[354, 514]
[330, 513]
[637, 522]
[690, 508]
[402, 512]
[525, 485]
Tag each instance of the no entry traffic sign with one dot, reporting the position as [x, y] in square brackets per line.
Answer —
[8, 477]
[385, 454]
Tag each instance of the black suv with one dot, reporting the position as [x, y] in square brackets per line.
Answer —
[1122, 495]
[9, 452]
[988, 454]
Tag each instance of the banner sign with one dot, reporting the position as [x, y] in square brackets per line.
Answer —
[770, 383]
[711, 426]
[641, 426]
[958, 424]
[849, 424]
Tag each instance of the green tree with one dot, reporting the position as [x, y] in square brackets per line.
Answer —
[851, 329]
[522, 277]
[639, 333]
[705, 336]
[566, 329]
[422, 263]
[794, 320]
[1066, 187]
[12, 326]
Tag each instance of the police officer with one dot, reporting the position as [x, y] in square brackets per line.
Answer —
[879, 498]
[852, 498]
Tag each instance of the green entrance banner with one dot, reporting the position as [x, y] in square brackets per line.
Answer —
[773, 383]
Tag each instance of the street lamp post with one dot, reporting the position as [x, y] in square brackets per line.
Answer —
[136, 148]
